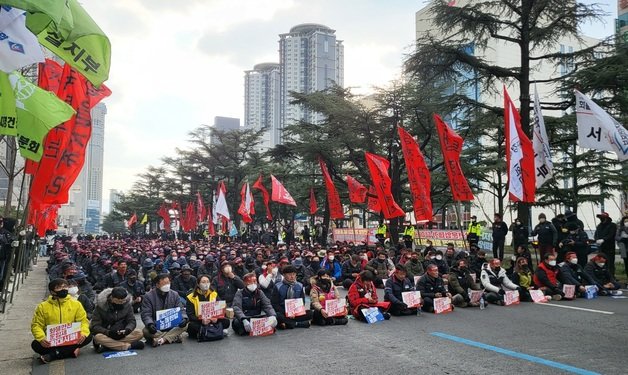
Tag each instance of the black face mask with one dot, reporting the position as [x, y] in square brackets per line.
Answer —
[381, 260]
[325, 285]
[414, 260]
[132, 280]
[117, 306]
[496, 270]
[315, 266]
[62, 293]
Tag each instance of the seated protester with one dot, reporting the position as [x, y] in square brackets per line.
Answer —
[414, 267]
[431, 285]
[323, 290]
[332, 266]
[269, 277]
[85, 287]
[443, 267]
[351, 268]
[450, 255]
[74, 292]
[162, 298]
[460, 281]
[116, 277]
[395, 285]
[597, 269]
[380, 267]
[571, 273]
[227, 283]
[185, 282]
[289, 288]
[477, 260]
[546, 277]
[238, 268]
[203, 293]
[428, 248]
[113, 324]
[495, 282]
[522, 251]
[303, 274]
[522, 277]
[250, 302]
[363, 295]
[135, 289]
[59, 308]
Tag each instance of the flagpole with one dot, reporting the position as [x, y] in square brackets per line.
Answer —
[352, 224]
[458, 221]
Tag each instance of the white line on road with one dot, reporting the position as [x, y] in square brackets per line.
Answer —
[577, 308]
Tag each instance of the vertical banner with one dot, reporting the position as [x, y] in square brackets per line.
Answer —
[418, 176]
[378, 167]
[519, 156]
[333, 199]
[259, 185]
[451, 146]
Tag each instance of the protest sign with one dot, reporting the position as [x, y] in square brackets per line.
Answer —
[294, 307]
[261, 327]
[475, 295]
[168, 318]
[63, 334]
[511, 297]
[538, 296]
[125, 353]
[372, 315]
[213, 309]
[569, 291]
[590, 292]
[412, 299]
[335, 307]
[442, 305]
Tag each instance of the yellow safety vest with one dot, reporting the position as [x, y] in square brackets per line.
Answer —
[477, 229]
[409, 231]
[381, 230]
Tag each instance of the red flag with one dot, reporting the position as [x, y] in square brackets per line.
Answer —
[280, 194]
[333, 199]
[418, 176]
[190, 215]
[132, 220]
[200, 208]
[373, 200]
[246, 202]
[519, 156]
[163, 213]
[266, 197]
[313, 205]
[210, 223]
[451, 145]
[357, 191]
[378, 166]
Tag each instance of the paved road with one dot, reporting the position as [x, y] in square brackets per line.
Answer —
[586, 340]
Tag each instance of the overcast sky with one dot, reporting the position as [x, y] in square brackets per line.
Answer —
[177, 64]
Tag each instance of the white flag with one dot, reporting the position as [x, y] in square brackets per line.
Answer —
[221, 206]
[248, 199]
[18, 46]
[542, 158]
[515, 179]
[598, 130]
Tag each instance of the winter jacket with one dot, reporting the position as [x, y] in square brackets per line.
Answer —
[280, 294]
[182, 286]
[500, 230]
[519, 235]
[606, 230]
[58, 311]
[546, 233]
[318, 296]
[334, 268]
[429, 286]
[380, 269]
[621, 236]
[546, 276]
[107, 319]
[154, 301]
[599, 275]
[359, 294]
[135, 290]
[268, 281]
[460, 281]
[248, 304]
[394, 288]
[494, 282]
[523, 278]
[414, 269]
[443, 268]
[573, 274]
[193, 300]
[114, 279]
[348, 269]
[227, 287]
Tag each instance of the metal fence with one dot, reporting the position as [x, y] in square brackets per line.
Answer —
[16, 267]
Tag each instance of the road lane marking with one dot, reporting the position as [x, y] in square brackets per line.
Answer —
[576, 308]
[527, 357]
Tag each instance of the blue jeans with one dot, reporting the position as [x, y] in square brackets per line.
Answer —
[43, 250]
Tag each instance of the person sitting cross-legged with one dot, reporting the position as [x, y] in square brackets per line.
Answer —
[248, 303]
[431, 285]
[113, 323]
[162, 298]
[363, 295]
[203, 293]
[323, 289]
[393, 290]
[289, 288]
[496, 282]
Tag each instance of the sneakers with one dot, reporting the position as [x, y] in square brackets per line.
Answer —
[340, 321]
[386, 315]
[159, 342]
[557, 297]
[137, 345]
[305, 324]
[225, 332]
[99, 348]
[46, 358]
[548, 298]
[457, 300]
[616, 292]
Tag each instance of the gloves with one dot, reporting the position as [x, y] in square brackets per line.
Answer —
[127, 331]
[114, 335]
[502, 292]
[183, 323]
[599, 242]
[151, 328]
[273, 321]
[247, 325]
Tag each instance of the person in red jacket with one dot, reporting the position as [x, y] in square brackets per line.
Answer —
[546, 277]
[362, 294]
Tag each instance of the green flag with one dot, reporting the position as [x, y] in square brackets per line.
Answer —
[38, 111]
[8, 117]
[42, 12]
[74, 37]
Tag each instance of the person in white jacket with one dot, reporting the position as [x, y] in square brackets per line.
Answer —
[495, 282]
[269, 277]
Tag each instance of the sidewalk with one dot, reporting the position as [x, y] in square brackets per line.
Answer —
[15, 331]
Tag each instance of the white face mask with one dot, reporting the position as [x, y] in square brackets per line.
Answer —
[73, 290]
[364, 257]
[251, 287]
[541, 220]
[175, 258]
[439, 257]
[552, 263]
[165, 288]
[573, 260]
[264, 267]
[601, 265]
[331, 257]
[204, 287]
[274, 271]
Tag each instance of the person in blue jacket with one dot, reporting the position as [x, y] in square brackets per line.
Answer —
[332, 266]
[289, 288]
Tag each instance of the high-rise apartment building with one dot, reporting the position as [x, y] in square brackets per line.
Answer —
[261, 102]
[311, 59]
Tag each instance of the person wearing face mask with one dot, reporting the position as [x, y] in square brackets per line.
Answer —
[495, 282]
[500, 230]
[289, 288]
[546, 277]
[332, 266]
[174, 270]
[414, 267]
[269, 278]
[59, 308]
[604, 237]
[439, 261]
[227, 283]
[170, 260]
[135, 289]
[323, 289]
[546, 234]
[597, 269]
[74, 292]
[522, 277]
[475, 231]
[520, 234]
[113, 324]
[460, 281]
[431, 285]
[397, 284]
[162, 298]
[621, 236]
[351, 268]
[185, 282]
[203, 293]
[117, 277]
[380, 267]
[576, 241]
[249, 302]
[363, 295]
[571, 273]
